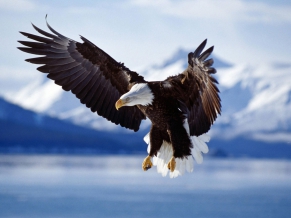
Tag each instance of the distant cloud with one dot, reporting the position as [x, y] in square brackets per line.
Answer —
[235, 10]
[17, 5]
[81, 10]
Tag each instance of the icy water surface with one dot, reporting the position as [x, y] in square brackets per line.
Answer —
[93, 186]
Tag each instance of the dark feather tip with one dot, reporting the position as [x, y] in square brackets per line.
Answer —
[200, 48]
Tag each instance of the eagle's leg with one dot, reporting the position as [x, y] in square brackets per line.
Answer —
[156, 141]
[180, 142]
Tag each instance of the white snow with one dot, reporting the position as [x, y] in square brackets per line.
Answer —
[38, 96]
[154, 74]
[267, 107]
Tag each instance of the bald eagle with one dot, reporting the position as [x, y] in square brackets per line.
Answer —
[182, 108]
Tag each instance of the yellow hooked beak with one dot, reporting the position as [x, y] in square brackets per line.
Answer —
[119, 104]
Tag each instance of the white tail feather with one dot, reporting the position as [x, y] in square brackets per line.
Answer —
[197, 154]
[204, 137]
[146, 138]
[190, 165]
[201, 144]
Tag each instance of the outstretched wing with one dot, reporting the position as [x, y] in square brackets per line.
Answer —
[88, 72]
[196, 88]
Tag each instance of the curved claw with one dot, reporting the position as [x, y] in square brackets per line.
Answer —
[172, 164]
[147, 163]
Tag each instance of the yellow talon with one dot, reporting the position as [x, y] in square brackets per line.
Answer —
[172, 164]
[147, 163]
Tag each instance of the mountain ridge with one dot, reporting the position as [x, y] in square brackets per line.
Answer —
[24, 131]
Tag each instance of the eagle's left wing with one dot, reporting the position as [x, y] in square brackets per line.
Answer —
[196, 89]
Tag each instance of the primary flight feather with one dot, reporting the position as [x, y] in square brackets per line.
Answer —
[182, 108]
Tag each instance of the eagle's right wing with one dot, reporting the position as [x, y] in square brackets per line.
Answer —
[88, 72]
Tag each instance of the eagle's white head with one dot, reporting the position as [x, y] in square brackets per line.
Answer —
[138, 94]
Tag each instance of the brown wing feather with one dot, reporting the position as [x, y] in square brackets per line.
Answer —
[196, 88]
[88, 72]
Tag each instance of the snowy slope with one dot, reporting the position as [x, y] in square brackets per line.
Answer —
[256, 102]
[256, 99]
[24, 131]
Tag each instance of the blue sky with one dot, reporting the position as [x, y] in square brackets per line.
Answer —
[140, 33]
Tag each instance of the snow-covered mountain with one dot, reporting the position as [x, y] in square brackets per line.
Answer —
[256, 102]
[256, 99]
